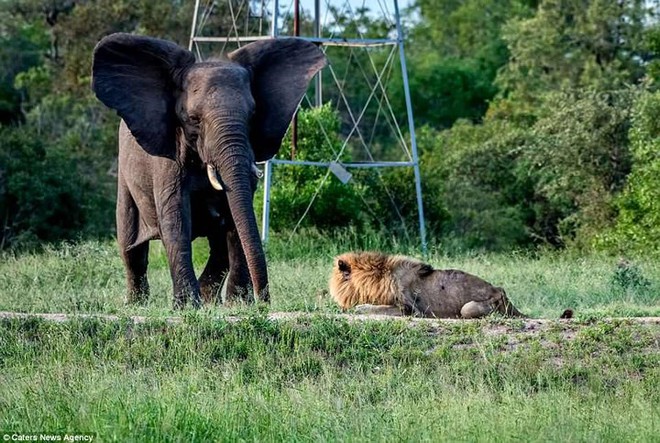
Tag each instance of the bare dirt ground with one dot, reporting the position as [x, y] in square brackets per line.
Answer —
[498, 327]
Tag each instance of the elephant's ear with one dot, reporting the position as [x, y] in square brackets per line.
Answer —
[281, 71]
[138, 77]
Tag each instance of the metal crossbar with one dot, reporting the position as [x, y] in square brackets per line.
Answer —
[355, 42]
[372, 164]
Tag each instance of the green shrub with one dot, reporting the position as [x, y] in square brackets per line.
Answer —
[54, 180]
[294, 187]
[382, 201]
[389, 202]
[505, 184]
[628, 276]
[637, 224]
[40, 193]
[470, 174]
[461, 90]
[577, 157]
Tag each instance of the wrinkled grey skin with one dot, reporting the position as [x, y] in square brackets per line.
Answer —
[178, 117]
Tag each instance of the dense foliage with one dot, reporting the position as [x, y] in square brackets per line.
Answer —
[334, 205]
[536, 124]
[637, 223]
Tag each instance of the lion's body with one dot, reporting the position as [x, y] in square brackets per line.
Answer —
[413, 287]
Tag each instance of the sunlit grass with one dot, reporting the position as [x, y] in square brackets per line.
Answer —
[89, 277]
[319, 378]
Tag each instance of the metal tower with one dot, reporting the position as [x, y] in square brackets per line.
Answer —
[219, 26]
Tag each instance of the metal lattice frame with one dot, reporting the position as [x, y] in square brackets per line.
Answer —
[204, 9]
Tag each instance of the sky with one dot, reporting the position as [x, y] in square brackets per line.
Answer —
[375, 6]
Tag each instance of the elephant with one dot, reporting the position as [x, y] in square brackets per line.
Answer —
[189, 137]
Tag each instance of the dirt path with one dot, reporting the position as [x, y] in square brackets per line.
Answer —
[517, 333]
[494, 327]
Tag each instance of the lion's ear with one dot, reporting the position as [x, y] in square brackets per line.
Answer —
[425, 270]
[344, 268]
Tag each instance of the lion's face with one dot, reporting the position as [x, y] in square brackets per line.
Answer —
[340, 280]
[364, 278]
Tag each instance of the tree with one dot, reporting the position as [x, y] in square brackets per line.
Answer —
[22, 46]
[637, 225]
[472, 178]
[41, 196]
[454, 53]
[470, 29]
[577, 158]
[570, 45]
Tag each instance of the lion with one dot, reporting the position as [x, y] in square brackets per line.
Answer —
[376, 283]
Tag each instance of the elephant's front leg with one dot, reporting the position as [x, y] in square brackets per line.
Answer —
[175, 225]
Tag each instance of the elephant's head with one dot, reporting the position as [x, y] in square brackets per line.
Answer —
[231, 113]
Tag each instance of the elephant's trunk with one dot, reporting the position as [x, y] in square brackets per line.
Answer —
[229, 153]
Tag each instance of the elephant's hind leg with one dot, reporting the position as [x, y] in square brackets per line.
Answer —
[136, 260]
[238, 280]
[135, 257]
[210, 281]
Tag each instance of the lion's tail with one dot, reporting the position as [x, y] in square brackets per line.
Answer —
[507, 307]
[568, 313]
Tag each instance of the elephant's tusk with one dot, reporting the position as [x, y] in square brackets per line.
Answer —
[213, 178]
[256, 171]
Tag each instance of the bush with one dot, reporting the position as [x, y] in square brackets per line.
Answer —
[461, 90]
[390, 200]
[577, 157]
[637, 224]
[470, 175]
[382, 201]
[550, 181]
[335, 204]
[54, 181]
[40, 197]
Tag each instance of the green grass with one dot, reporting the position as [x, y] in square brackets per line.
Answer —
[325, 379]
[88, 277]
[322, 379]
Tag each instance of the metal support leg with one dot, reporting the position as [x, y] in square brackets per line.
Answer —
[268, 167]
[318, 92]
[265, 216]
[411, 128]
[194, 26]
[276, 9]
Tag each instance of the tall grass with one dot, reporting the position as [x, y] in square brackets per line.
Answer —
[320, 378]
[88, 277]
[327, 380]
